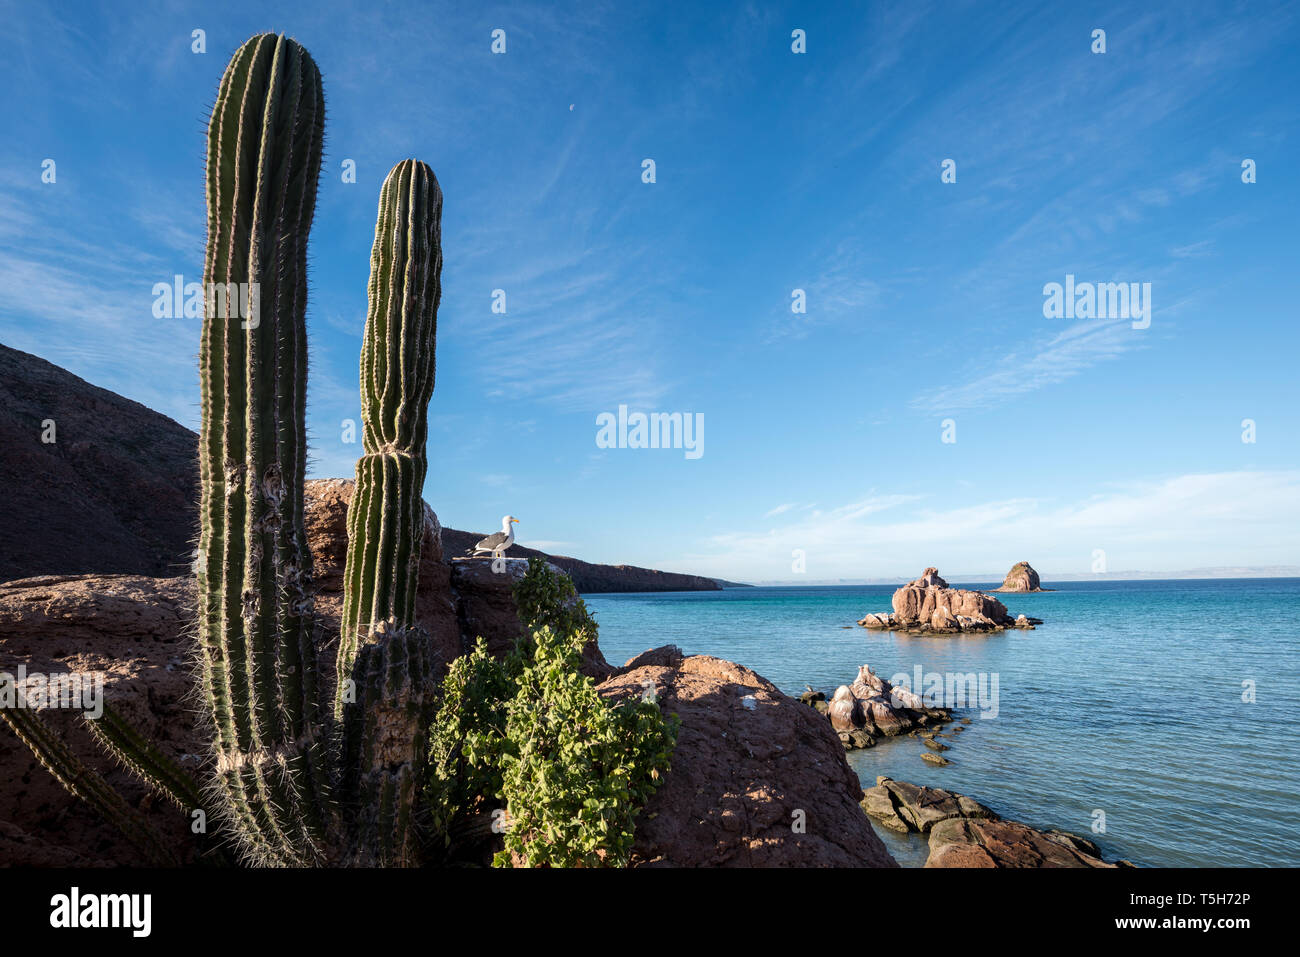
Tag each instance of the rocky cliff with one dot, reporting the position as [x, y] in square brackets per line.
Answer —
[587, 577]
[89, 481]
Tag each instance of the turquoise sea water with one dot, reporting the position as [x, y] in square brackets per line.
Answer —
[1127, 701]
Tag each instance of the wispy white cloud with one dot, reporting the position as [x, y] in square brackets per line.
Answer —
[1206, 519]
[841, 291]
[1020, 372]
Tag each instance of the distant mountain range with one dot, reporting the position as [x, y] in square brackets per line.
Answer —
[93, 483]
[587, 577]
[1235, 571]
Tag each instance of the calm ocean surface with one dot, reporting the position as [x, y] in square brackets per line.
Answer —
[1127, 700]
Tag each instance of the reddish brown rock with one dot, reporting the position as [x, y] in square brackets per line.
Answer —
[964, 833]
[748, 760]
[1022, 578]
[930, 579]
[325, 515]
[993, 843]
[20, 849]
[130, 632]
[927, 605]
[135, 633]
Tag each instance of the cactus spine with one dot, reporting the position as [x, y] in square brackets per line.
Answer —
[259, 668]
[388, 658]
[144, 759]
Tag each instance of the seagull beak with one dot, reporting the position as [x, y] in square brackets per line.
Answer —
[514, 521]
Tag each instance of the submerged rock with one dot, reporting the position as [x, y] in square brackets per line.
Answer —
[994, 843]
[964, 833]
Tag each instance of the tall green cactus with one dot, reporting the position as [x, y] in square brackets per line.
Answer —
[386, 518]
[256, 629]
[387, 704]
[299, 782]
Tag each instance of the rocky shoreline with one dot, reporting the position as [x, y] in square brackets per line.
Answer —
[748, 758]
[927, 606]
[965, 833]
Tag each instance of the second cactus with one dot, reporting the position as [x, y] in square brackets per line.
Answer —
[385, 665]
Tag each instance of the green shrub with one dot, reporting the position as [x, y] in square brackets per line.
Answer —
[531, 734]
[464, 774]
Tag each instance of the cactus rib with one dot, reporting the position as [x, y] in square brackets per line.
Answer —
[382, 649]
[255, 612]
[386, 517]
[144, 759]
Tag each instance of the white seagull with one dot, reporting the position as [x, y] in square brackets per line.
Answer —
[496, 543]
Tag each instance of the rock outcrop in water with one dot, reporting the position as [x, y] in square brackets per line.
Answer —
[928, 606]
[1022, 578]
[964, 833]
[872, 708]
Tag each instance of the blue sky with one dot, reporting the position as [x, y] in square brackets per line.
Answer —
[775, 171]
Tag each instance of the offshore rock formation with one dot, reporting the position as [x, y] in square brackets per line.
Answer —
[928, 606]
[964, 833]
[872, 708]
[1021, 578]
